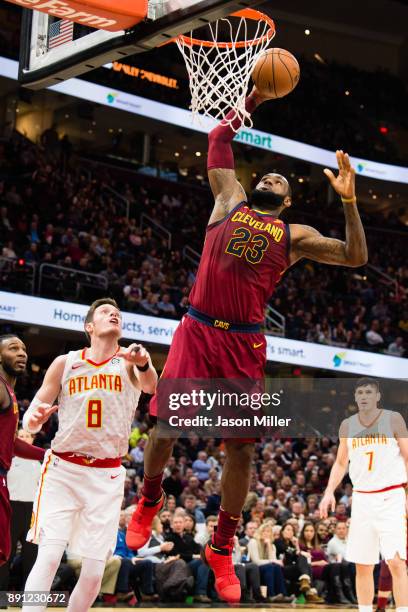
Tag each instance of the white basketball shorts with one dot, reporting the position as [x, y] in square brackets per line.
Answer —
[79, 505]
[378, 525]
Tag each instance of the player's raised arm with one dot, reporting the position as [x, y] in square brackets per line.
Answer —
[41, 407]
[336, 474]
[227, 191]
[308, 242]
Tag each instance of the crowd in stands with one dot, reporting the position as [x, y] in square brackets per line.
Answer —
[51, 212]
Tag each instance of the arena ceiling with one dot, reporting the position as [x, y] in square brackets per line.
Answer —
[384, 17]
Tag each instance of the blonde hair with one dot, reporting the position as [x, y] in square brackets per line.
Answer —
[263, 549]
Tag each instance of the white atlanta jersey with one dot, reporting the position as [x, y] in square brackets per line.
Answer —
[375, 458]
[97, 403]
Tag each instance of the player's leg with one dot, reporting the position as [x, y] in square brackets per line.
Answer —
[5, 520]
[234, 488]
[392, 526]
[235, 479]
[365, 587]
[384, 586]
[94, 533]
[55, 508]
[88, 586]
[186, 359]
[363, 547]
[41, 576]
[398, 569]
[235, 358]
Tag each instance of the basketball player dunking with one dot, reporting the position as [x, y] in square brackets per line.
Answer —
[374, 446]
[13, 361]
[246, 251]
[81, 488]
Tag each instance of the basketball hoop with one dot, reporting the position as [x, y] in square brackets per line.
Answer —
[220, 70]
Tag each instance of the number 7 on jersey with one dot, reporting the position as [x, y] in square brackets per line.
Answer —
[370, 460]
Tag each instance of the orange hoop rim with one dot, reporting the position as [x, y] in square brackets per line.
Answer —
[246, 13]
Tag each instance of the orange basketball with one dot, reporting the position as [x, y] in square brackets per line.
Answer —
[276, 73]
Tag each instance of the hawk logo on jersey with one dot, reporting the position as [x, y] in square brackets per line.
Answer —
[115, 361]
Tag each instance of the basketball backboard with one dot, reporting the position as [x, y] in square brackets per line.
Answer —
[43, 64]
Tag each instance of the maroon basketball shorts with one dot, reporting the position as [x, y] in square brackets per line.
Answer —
[5, 519]
[199, 351]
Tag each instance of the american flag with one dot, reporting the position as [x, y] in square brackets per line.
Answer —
[60, 32]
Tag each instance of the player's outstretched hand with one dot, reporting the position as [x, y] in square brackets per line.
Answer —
[328, 503]
[41, 414]
[345, 182]
[135, 354]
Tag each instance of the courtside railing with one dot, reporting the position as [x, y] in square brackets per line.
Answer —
[118, 198]
[191, 255]
[157, 228]
[275, 322]
[54, 280]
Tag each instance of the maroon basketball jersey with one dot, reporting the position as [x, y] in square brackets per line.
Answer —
[244, 257]
[8, 428]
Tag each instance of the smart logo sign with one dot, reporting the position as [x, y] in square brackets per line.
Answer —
[111, 97]
[254, 138]
[340, 360]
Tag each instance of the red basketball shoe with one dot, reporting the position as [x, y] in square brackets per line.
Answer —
[219, 558]
[139, 529]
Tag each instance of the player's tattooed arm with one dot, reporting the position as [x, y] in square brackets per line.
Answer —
[307, 242]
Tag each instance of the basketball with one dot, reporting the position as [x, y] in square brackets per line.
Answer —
[276, 73]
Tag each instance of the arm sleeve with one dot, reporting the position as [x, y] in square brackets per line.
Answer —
[147, 551]
[32, 407]
[220, 153]
[28, 451]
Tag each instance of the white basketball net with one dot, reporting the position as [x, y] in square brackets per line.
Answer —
[220, 74]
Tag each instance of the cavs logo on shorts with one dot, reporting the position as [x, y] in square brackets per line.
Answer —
[221, 324]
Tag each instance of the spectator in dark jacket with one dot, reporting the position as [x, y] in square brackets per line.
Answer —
[187, 549]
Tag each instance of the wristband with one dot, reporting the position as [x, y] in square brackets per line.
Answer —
[349, 200]
[144, 368]
[32, 407]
